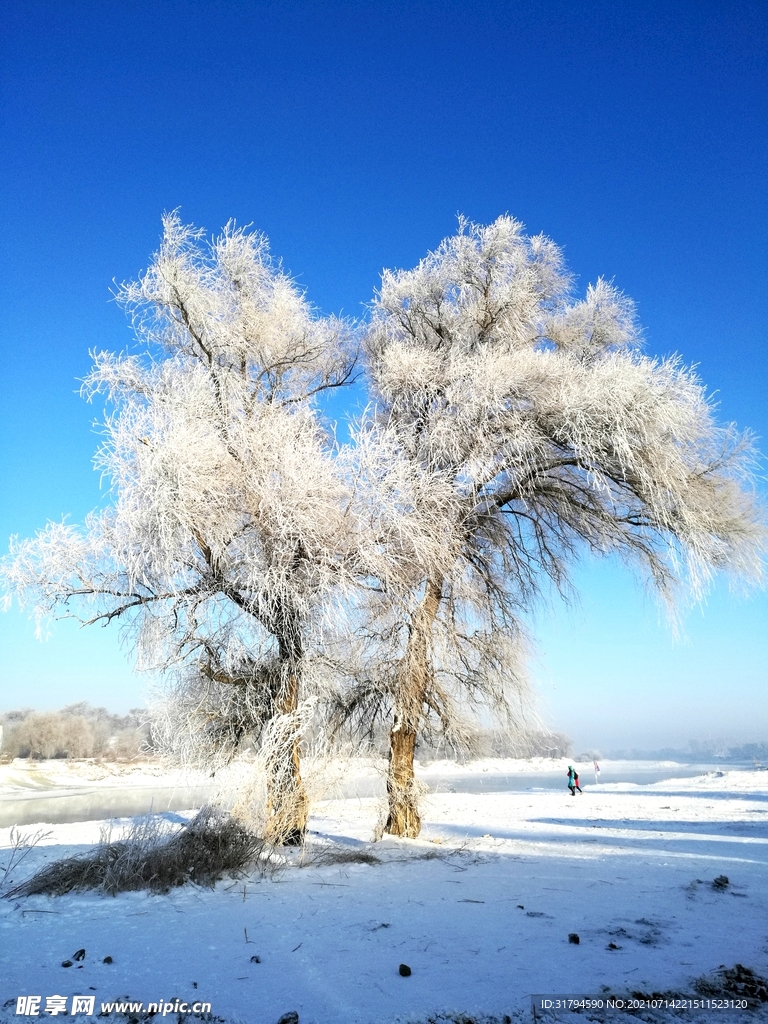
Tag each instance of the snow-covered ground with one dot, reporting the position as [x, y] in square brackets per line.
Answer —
[480, 907]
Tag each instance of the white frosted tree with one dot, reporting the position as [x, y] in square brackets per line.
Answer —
[538, 429]
[512, 427]
[225, 536]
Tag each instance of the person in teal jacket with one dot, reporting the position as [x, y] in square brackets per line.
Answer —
[573, 781]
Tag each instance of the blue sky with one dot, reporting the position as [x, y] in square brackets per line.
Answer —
[352, 134]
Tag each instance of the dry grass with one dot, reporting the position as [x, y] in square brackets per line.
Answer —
[153, 856]
[315, 854]
[321, 856]
[735, 981]
[21, 845]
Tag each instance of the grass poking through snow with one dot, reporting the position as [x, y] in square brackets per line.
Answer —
[153, 856]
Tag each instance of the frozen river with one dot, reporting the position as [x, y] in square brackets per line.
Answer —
[85, 803]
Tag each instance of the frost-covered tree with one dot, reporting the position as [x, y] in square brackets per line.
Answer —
[225, 536]
[539, 429]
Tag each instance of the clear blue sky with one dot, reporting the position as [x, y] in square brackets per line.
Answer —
[352, 134]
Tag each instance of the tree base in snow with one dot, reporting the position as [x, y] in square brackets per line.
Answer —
[402, 790]
[407, 825]
[286, 826]
[404, 819]
[295, 837]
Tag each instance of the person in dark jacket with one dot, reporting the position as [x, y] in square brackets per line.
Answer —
[576, 782]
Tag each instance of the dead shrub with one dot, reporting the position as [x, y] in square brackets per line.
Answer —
[78, 738]
[51, 734]
[38, 735]
[734, 981]
[126, 745]
[155, 856]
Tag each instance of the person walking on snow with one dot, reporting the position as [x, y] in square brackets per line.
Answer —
[576, 782]
[571, 780]
[597, 772]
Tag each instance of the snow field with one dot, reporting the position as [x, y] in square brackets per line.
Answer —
[480, 907]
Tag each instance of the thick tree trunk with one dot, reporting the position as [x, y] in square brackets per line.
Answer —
[404, 819]
[416, 668]
[287, 802]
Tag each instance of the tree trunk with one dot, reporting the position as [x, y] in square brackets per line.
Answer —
[287, 802]
[404, 819]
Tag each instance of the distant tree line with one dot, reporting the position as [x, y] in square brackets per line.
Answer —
[484, 743]
[750, 752]
[82, 731]
[76, 731]
[697, 750]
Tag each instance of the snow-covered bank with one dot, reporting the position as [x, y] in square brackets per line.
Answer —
[23, 775]
[64, 791]
[24, 778]
[480, 908]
